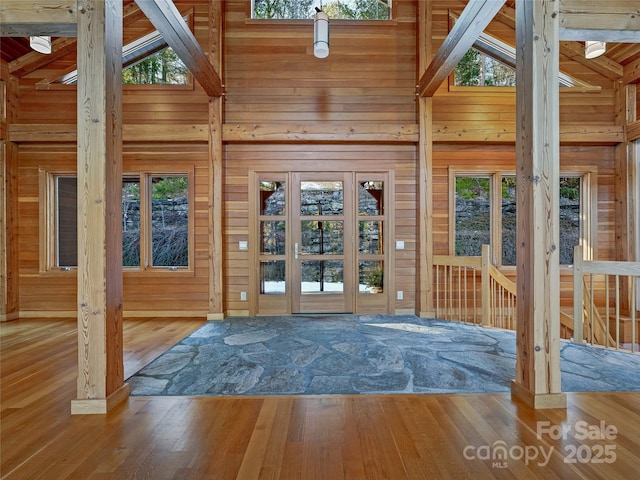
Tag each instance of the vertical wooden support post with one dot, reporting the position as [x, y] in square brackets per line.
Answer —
[100, 355]
[216, 308]
[623, 190]
[425, 171]
[578, 295]
[537, 379]
[9, 278]
[486, 295]
[5, 249]
[216, 281]
[634, 200]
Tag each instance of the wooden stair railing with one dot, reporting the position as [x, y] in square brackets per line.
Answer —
[459, 296]
[593, 313]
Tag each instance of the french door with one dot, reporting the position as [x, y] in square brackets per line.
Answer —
[322, 243]
[322, 237]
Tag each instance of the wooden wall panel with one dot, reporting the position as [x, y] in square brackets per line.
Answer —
[271, 74]
[159, 292]
[241, 159]
[271, 77]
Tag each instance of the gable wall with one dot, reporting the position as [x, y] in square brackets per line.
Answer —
[271, 77]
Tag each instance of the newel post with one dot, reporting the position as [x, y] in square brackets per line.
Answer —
[578, 295]
[486, 297]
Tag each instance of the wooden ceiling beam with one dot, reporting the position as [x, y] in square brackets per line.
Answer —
[573, 50]
[23, 18]
[631, 72]
[602, 65]
[610, 21]
[473, 20]
[62, 46]
[166, 18]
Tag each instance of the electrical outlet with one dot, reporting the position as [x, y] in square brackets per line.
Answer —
[243, 296]
[400, 295]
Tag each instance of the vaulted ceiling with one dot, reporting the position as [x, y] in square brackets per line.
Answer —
[617, 21]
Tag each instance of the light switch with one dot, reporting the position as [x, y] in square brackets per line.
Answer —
[243, 245]
[399, 244]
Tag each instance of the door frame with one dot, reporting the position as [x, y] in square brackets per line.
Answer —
[307, 303]
[262, 304]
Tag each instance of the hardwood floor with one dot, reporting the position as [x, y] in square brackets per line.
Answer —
[319, 437]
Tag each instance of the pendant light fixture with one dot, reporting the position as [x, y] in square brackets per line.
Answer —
[594, 49]
[40, 44]
[320, 34]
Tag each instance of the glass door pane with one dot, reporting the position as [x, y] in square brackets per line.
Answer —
[372, 294]
[322, 242]
[272, 238]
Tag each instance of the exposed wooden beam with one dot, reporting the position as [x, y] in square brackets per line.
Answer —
[164, 15]
[610, 21]
[573, 50]
[250, 132]
[570, 134]
[67, 133]
[631, 72]
[602, 65]
[63, 46]
[100, 383]
[537, 379]
[473, 20]
[633, 131]
[216, 174]
[425, 170]
[33, 60]
[23, 18]
[505, 132]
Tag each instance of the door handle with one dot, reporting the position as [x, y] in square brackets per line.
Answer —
[295, 250]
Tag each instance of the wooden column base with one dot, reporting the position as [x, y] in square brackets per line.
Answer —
[7, 317]
[100, 406]
[537, 401]
[215, 316]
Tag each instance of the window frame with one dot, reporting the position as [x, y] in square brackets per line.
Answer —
[588, 207]
[48, 212]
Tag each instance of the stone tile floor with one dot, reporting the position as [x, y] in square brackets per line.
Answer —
[357, 354]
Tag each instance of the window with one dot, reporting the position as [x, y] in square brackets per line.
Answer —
[156, 221]
[484, 212]
[477, 69]
[146, 61]
[336, 9]
[161, 68]
[492, 63]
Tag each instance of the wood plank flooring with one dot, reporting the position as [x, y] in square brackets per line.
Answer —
[286, 437]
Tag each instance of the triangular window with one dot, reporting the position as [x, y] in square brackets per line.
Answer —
[147, 61]
[492, 63]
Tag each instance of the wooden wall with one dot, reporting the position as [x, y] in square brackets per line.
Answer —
[272, 80]
[151, 292]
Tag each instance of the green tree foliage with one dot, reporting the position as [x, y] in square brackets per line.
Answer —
[472, 187]
[337, 9]
[281, 9]
[168, 188]
[162, 68]
[478, 69]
